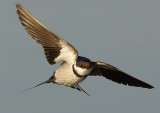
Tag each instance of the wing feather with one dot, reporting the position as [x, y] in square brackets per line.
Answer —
[56, 49]
[116, 75]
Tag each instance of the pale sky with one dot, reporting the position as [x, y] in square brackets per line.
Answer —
[123, 33]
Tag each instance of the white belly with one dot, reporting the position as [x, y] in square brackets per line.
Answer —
[64, 75]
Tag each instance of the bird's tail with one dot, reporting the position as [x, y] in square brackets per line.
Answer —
[47, 81]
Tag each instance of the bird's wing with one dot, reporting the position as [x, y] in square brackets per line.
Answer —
[116, 75]
[56, 49]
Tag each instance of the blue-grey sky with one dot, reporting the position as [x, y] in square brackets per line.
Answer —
[124, 33]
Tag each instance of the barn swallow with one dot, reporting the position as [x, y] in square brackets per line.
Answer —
[74, 68]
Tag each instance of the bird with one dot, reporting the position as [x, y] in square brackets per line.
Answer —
[73, 68]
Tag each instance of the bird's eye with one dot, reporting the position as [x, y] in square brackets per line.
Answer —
[81, 65]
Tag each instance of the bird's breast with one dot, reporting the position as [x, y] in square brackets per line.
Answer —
[64, 75]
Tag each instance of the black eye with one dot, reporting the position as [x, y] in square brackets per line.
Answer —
[81, 65]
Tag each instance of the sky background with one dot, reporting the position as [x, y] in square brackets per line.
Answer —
[124, 33]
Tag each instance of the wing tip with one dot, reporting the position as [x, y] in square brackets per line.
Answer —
[150, 87]
[18, 5]
[146, 85]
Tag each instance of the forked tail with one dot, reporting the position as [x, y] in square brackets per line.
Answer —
[79, 89]
[47, 81]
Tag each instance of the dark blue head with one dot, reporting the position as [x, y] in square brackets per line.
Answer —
[82, 67]
[83, 62]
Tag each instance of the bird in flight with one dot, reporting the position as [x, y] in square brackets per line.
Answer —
[74, 68]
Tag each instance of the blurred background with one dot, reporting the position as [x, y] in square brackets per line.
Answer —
[124, 33]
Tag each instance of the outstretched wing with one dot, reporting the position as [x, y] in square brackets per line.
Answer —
[56, 49]
[116, 75]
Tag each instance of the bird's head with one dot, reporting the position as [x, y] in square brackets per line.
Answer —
[82, 67]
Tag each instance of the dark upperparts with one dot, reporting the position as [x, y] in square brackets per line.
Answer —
[84, 59]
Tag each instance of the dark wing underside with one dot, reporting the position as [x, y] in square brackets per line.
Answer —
[56, 49]
[116, 75]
